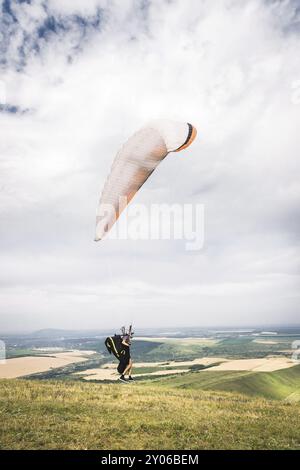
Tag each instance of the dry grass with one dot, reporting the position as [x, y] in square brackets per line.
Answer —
[68, 415]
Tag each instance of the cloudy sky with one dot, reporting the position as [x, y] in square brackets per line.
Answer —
[76, 79]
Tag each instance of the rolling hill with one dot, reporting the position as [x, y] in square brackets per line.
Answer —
[77, 415]
[280, 385]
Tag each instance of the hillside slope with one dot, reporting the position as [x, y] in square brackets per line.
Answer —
[272, 385]
[72, 415]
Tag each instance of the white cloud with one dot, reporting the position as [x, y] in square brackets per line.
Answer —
[77, 7]
[229, 70]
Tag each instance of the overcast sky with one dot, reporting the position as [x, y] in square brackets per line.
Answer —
[80, 77]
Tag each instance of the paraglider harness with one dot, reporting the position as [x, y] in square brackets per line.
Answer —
[114, 346]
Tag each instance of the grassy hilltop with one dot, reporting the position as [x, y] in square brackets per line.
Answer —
[77, 415]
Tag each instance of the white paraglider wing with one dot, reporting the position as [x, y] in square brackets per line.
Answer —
[133, 165]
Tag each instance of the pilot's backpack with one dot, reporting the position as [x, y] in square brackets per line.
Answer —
[114, 345]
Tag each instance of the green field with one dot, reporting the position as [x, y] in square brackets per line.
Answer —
[280, 385]
[69, 415]
[13, 353]
[230, 347]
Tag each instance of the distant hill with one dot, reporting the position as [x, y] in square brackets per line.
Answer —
[77, 415]
[58, 333]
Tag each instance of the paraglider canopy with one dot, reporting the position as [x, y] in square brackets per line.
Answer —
[135, 162]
